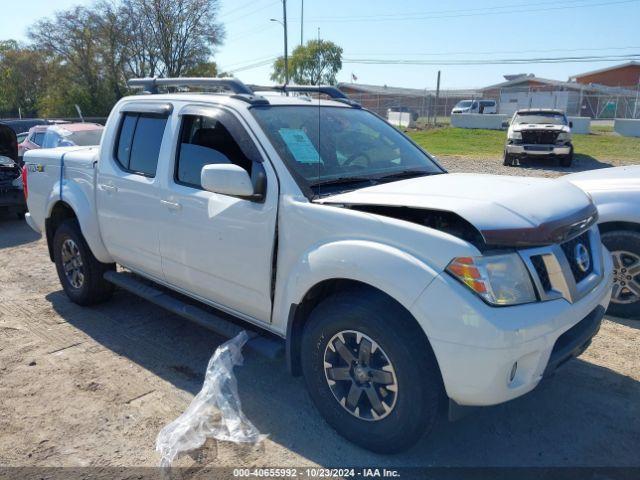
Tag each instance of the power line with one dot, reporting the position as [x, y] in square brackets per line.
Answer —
[238, 8]
[253, 60]
[498, 61]
[257, 10]
[462, 13]
[254, 65]
[430, 54]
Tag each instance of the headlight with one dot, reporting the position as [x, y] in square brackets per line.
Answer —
[563, 137]
[515, 136]
[498, 279]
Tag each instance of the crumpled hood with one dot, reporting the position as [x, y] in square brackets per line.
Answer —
[506, 210]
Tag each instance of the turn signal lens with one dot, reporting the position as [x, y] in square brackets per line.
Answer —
[497, 279]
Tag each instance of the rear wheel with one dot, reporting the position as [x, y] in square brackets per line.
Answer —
[370, 371]
[625, 251]
[80, 273]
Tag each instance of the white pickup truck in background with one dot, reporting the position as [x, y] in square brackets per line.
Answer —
[392, 284]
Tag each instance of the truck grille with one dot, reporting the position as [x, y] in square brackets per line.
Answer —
[539, 137]
[569, 249]
[541, 270]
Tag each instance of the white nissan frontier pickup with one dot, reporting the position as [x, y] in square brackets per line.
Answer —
[391, 284]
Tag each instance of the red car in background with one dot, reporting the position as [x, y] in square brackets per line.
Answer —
[61, 135]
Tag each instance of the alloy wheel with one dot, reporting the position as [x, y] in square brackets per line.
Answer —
[626, 277]
[72, 263]
[360, 375]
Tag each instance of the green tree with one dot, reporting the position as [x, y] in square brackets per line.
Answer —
[316, 63]
[21, 73]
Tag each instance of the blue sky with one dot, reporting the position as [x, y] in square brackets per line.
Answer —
[411, 30]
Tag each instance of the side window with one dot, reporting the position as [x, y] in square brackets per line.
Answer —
[50, 140]
[38, 138]
[139, 142]
[209, 140]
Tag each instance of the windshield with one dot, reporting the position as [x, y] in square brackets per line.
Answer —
[464, 104]
[547, 118]
[337, 146]
[64, 138]
[85, 138]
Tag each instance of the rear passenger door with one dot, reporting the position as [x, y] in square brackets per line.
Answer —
[128, 192]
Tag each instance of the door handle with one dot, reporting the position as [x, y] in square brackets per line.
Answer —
[171, 205]
[108, 188]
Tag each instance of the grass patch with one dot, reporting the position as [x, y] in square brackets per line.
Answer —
[602, 146]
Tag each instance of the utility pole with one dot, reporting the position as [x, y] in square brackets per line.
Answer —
[286, 48]
[435, 109]
[302, 23]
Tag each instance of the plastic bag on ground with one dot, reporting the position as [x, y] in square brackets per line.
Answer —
[215, 412]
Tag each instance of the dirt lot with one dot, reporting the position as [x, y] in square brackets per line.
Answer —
[93, 386]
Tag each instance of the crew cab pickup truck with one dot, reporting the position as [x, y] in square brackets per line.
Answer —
[540, 133]
[392, 284]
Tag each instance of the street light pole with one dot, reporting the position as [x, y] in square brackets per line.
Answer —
[302, 23]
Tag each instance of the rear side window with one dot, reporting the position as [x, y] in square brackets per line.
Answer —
[38, 138]
[139, 143]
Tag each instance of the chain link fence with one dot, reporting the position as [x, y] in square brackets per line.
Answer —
[432, 108]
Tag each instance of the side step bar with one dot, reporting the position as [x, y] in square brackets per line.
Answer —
[268, 347]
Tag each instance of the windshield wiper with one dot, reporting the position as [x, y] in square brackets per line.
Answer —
[410, 173]
[342, 180]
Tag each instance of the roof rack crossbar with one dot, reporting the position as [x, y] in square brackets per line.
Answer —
[150, 85]
[328, 90]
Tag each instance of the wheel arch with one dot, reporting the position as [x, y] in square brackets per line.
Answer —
[75, 203]
[612, 226]
[299, 314]
[60, 212]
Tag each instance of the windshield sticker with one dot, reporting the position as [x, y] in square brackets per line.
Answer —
[300, 145]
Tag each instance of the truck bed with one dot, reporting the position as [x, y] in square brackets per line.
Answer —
[51, 170]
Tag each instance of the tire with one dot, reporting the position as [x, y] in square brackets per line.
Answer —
[86, 286]
[624, 246]
[567, 160]
[507, 160]
[412, 408]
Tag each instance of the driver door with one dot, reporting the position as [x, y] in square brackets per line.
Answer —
[216, 247]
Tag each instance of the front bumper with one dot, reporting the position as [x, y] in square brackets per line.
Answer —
[477, 345]
[538, 150]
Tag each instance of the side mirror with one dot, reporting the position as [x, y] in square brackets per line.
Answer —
[227, 179]
[505, 124]
[570, 124]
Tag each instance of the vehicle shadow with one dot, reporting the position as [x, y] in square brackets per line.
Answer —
[14, 232]
[581, 163]
[583, 416]
[627, 322]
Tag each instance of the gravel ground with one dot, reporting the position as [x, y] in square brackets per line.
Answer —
[528, 167]
[93, 386]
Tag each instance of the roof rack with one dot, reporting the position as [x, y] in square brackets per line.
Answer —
[150, 85]
[333, 92]
[239, 89]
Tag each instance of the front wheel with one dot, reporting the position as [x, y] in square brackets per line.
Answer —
[625, 251]
[567, 160]
[370, 371]
[80, 273]
[507, 160]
